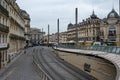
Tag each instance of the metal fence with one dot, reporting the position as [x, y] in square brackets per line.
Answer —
[108, 49]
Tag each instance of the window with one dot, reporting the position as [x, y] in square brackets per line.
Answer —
[112, 31]
[3, 39]
[6, 22]
[0, 19]
[0, 38]
[3, 20]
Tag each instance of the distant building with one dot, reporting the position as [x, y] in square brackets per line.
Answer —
[96, 29]
[53, 38]
[110, 28]
[36, 36]
[63, 37]
[88, 30]
[27, 26]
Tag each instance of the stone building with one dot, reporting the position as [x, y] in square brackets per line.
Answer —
[87, 30]
[12, 30]
[53, 38]
[4, 30]
[96, 29]
[63, 37]
[110, 28]
[27, 26]
[36, 36]
[71, 32]
[16, 27]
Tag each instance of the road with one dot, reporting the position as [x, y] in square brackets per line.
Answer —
[24, 69]
[57, 68]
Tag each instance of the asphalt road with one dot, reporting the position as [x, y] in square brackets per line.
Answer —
[24, 68]
[57, 68]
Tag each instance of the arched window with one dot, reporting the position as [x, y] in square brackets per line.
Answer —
[112, 33]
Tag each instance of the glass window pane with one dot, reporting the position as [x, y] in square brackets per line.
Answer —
[118, 51]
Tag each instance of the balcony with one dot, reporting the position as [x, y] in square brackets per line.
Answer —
[4, 11]
[4, 46]
[4, 28]
[14, 36]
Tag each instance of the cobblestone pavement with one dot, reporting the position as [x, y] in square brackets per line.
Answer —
[21, 69]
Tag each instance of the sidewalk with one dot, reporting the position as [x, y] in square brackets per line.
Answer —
[21, 68]
[114, 58]
[4, 69]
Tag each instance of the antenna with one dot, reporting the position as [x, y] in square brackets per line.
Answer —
[93, 6]
[119, 7]
[113, 4]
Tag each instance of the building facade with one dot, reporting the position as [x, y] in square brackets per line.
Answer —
[4, 30]
[12, 30]
[63, 37]
[110, 28]
[27, 26]
[96, 29]
[36, 36]
[87, 30]
[53, 38]
[16, 27]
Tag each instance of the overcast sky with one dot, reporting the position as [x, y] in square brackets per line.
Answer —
[44, 12]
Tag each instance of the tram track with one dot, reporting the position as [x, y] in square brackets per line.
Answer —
[66, 68]
[46, 66]
[56, 68]
[39, 62]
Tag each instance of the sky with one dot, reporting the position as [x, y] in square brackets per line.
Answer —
[44, 12]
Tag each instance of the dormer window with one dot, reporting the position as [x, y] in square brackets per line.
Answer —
[112, 15]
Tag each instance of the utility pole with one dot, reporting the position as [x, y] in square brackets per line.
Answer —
[48, 34]
[58, 29]
[76, 21]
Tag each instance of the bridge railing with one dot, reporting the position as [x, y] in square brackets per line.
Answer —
[108, 49]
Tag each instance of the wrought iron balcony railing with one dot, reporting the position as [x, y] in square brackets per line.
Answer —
[4, 28]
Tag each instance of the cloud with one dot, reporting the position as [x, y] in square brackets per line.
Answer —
[44, 12]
